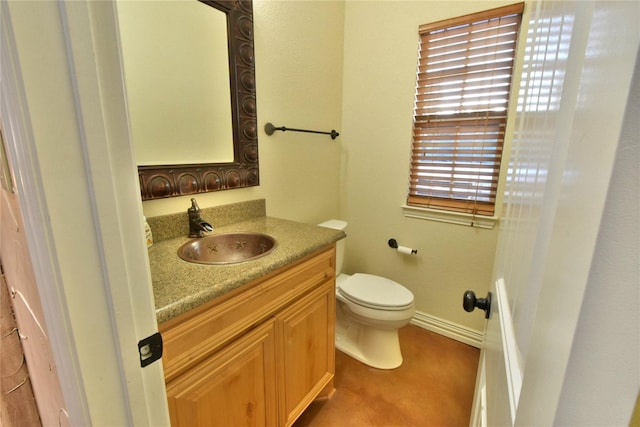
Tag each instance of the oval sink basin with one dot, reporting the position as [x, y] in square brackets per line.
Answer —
[227, 248]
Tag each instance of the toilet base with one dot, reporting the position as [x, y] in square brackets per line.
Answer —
[378, 348]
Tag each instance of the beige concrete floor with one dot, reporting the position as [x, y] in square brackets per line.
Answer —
[433, 387]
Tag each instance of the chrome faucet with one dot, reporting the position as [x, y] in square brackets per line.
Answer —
[197, 226]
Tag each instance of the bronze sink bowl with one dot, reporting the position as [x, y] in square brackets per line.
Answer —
[227, 248]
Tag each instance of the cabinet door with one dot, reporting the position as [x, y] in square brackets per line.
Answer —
[234, 387]
[306, 340]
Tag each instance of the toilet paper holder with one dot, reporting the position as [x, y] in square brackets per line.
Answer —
[393, 243]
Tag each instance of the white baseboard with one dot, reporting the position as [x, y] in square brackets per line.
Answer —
[451, 330]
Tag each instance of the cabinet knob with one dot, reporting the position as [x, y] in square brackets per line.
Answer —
[470, 302]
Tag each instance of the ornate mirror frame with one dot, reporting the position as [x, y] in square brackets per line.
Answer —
[182, 179]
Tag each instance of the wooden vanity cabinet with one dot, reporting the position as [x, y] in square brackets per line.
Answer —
[305, 352]
[258, 356]
[234, 387]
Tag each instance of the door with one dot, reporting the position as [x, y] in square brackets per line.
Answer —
[572, 101]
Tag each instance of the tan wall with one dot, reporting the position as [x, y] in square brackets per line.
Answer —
[298, 50]
[301, 49]
[381, 45]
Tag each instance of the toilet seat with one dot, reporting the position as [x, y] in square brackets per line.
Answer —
[376, 292]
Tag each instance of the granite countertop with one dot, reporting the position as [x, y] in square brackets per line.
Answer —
[179, 286]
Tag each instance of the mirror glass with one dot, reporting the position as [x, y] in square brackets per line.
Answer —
[190, 76]
[176, 68]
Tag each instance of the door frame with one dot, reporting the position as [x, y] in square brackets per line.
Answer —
[107, 233]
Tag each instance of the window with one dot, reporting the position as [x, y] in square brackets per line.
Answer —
[464, 80]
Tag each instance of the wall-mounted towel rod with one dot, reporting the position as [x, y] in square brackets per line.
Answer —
[269, 128]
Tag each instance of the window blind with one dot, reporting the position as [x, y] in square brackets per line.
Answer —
[462, 96]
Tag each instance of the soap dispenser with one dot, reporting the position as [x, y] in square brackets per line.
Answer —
[147, 233]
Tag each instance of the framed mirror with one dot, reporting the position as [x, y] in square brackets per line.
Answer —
[170, 59]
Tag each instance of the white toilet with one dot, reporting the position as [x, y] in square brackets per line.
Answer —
[369, 311]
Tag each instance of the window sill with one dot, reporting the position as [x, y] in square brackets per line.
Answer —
[457, 218]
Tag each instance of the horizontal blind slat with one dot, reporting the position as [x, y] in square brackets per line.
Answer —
[457, 80]
[430, 93]
[474, 17]
[498, 69]
[469, 207]
[463, 85]
[485, 118]
[492, 38]
[433, 160]
[455, 62]
[478, 25]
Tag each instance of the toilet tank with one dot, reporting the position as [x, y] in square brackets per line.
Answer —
[337, 224]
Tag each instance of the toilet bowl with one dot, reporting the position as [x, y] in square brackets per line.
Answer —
[369, 311]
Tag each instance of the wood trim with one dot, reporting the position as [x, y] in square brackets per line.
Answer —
[473, 17]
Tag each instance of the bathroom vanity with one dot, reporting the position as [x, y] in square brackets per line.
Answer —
[249, 343]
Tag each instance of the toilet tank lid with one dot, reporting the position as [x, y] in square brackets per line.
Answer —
[336, 224]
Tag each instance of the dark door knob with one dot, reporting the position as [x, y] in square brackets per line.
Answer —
[470, 302]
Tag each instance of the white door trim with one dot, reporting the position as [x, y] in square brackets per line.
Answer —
[21, 152]
[479, 408]
[96, 74]
[512, 357]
